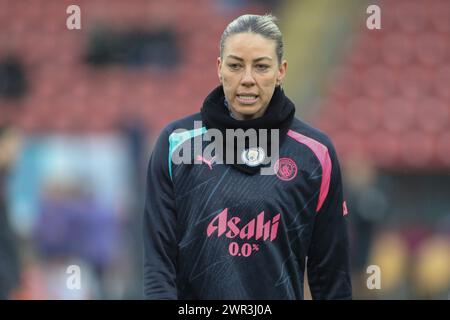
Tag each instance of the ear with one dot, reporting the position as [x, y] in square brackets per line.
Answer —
[219, 67]
[282, 71]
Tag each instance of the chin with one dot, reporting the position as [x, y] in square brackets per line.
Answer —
[248, 112]
[248, 109]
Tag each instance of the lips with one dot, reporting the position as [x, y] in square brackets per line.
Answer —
[247, 98]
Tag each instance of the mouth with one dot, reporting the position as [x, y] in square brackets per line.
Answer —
[247, 98]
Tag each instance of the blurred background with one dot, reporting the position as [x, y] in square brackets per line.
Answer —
[80, 111]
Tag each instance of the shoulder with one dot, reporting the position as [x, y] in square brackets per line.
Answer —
[313, 138]
[177, 132]
[179, 127]
[170, 137]
[305, 129]
[189, 122]
[300, 128]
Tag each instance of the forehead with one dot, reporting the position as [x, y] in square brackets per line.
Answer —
[244, 44]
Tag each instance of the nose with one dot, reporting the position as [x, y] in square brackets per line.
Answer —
[247, 78]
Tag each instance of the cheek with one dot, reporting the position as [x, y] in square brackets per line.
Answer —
[228, 89]
[229, 85]
[268, 82]
[268, 86]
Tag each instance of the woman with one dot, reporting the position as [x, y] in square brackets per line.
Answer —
[216, 228]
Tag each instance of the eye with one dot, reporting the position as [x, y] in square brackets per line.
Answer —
[234, 66]
[262, 67]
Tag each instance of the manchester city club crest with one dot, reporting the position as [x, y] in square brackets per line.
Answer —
[253, 157]
[286, 169]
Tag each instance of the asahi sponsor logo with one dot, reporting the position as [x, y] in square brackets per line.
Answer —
[257, 229]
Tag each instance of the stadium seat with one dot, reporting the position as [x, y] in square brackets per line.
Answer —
[397, 114]
[431, 48]
[432, 114]
[379, 81]
[397, 49]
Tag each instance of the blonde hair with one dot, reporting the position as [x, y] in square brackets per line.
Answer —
[263, 25]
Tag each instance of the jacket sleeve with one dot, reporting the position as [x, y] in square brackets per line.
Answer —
[160, 244]
[328, 256]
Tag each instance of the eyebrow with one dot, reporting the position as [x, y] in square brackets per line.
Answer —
[255, 60]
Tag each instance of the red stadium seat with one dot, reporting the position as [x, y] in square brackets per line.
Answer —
[431, 48]
[439, 15]
[344, 82]
[433, 114]
[442, 82]
[364, 50]
[362, 115]
[379, 81]
[347, 143]
[415, 81]
[331, 115]
[397, 49]
[388, 15]
[410, 15]
[398, 114]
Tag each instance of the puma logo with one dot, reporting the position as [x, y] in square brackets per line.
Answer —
[209, 163]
